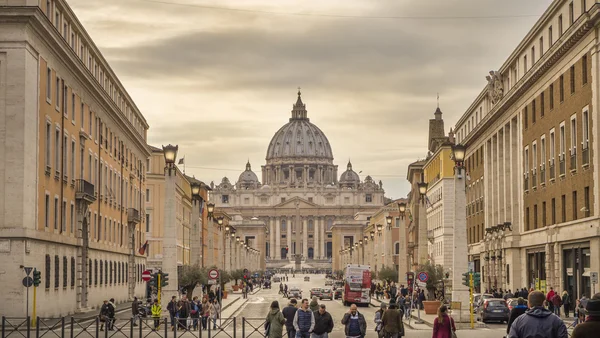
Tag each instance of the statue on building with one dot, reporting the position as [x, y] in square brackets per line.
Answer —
[495, 86]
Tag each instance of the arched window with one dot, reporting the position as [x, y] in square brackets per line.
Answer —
[47, 274]
[311, 253]
[397, 248]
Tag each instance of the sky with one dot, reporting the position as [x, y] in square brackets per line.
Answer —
[219, 77]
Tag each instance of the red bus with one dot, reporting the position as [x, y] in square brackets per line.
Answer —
[357, 285]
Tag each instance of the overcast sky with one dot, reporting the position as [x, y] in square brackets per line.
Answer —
[221, 82]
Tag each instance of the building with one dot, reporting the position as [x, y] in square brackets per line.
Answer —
[72, 168]
[530, 136]
[416, 216]
[300, 197]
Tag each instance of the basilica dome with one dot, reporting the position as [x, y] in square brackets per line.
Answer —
[349, 176]
[248, 176]
[299, 138]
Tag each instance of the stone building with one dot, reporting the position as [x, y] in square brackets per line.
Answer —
[300, 197]
[530, 136]
[72, 165]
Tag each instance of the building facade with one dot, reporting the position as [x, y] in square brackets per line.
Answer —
[416, 217]
[73, 168]
[300, 196]
[530, 134]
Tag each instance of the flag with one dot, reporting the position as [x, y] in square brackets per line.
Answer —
[181, 161]
[142, 250]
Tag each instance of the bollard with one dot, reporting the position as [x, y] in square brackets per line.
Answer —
[72, 326]
[97, 326]
[234, 328]
[166, 326]
[29, 327]
[131, 326]
[243, 326]
[3, 323]
[37, 327]
[62, 326]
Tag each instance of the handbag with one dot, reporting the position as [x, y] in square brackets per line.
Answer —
[452, 332]
[267, 328]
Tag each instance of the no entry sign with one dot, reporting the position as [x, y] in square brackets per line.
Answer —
[146, 276]
[213, 274]
[423, 276]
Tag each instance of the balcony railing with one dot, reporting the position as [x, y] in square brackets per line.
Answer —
[585, 156]
[573, 161]
[85, 190]
[133, 215]
[542, 176]
[526, 182]
[562, 166]
[533, 180]
[552, 172]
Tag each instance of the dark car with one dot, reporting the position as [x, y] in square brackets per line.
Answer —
[315, 292]
[494, 309]
[326, 294]
[337, 292]
[276, 279]
[267, 284]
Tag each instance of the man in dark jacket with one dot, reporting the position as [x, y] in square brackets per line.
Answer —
[538, 321]
[591, 326]
[289, 312]
[172, 308]
[135, 310]
[393, 326]
[355, 323]
[516, 312]
[323, 323]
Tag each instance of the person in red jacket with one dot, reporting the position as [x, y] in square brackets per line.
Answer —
[549, 297]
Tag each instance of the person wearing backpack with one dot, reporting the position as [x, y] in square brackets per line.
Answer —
[196, 309]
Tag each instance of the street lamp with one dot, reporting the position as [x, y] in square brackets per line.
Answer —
[372, 233]
[388, 220]
[458, 155]
[366, 238]
[210, 207]
[195, 186]
[422, 190]
[379, 229]
[237, 239]
[402, 209]
[220, 223]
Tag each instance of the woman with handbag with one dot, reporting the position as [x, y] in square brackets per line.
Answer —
[377, 320]
[274, 322]
[443, 325]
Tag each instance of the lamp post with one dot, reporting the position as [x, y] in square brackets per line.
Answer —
[460, 292]
[196, 237]
[169, 262]
[238, 264]
[209, 256]
[403, 264]
[422, 239]
[402, 209]
[366, 250]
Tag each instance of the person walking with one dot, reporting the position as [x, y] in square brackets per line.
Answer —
[195, 312]
[172, 308]
[591, 327]
[275, 321]
[323, 323]
[314, 304]
[183, 312]
[214, 312]
[443, 325]
[516, 311]
[549, 298]
[538, 321]
[393, 327]
[110, 323]
[205, 312]
[355, 325]
[566, 302]
[156, 311]
[304, 320]
[135, 311]
[104, 315]
[289, 312]
[557, 303]
[378, 316]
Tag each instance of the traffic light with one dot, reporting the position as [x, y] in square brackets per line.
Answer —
[466, 279]
[476, 279]
[164, 279]
[410, 277]
[37, 277]
[153, 282]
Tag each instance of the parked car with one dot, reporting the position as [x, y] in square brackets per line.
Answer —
[307, 279]
[494, 309]
[277, 279]
[337, 293]
[294, 292]
[326, 294]
[315, 292]
[328, 282]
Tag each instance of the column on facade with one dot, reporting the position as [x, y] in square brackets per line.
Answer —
[292, 174]
[323, 237]
[316, 229]
[272, 248]
[305, 237]
[288, 226]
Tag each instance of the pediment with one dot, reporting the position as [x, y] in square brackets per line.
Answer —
[292, 202]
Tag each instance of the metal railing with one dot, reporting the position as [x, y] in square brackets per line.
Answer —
[255, 327]
[85, 190]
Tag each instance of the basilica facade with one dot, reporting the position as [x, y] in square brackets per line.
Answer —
[300, 196]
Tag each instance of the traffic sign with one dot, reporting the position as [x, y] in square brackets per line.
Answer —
[423, 276]
[594, 277]
[28, 270]
[471, 266]
[27, 282]
[146, 276]
[213, 274]
[212, 281]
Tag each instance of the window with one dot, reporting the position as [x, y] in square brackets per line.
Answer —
[550, 42]
[552, 146]
[72, 107]
[147, 195]
[561, 88]
[225, 199]
[310, 199]
[583, 6]
[534, 158]
[105, 272]
[533, 118]
[542, 105]
[147, 222]
[562, 144]
[82, 115]
[65, 267]
[563, 201]
[574, 206]
[544, 213]
[532, 56]
[57, 151]
[541, 46]
[572, 78]
[73, 159]
[535, 216]
[47, 212]
[346, 200]
[551, 93]
[90, 127]
[571, 14]
[584, 70]
[72, 218]
[101, 271]
[397, 248]
[282, 199]
[560, 25]
[55, 213]
[585, 124]
[553, 206]
[48, 145]
[96, 272]
[47, 272]
[63, 213]
[368, 198]
[65, 153]
[283, 226]
[526, 166]
[586, 201]
[56, 271]
[524, 64]
[48, 85]
[543, 157]
[527, 228]
[525, 117]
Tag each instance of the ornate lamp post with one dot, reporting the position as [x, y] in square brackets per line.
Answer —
[460, 292]
[169, 263]
[388, 221]
[196, 237]
[402, 209]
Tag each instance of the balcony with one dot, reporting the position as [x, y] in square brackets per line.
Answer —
[85, 191]
[133, 216]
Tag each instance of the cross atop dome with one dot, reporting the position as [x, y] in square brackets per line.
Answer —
[299, 111]
[248, 167]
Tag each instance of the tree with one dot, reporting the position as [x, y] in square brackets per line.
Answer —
[388, 274]
[225, 277]
[436, 277]
[191, 276]
[237, 275]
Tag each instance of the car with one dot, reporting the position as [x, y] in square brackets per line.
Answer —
[494, 309]
[294, 292]
[328, 282]
[479, 298]
[337, 293]
[307, 279]
[326, 293]
[276, 279]
[315, 292]
[267, 284]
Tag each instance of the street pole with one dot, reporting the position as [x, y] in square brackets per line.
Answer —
[159, 290]
[34, 311]
[471, 300]
[418, 321]
[27, 301]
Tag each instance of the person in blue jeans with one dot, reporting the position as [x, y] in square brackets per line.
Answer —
[289, 312]
[304, 321]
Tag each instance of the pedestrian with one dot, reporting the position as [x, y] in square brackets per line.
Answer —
[314, 304]
[377, 320]
[183, 312]
[104, 315]
[556, 303]
[407, 307]
[274, 322]
[566, 301]
[135, 311]
[538, 321]
[214, 312]
[195, 312]
[172, 308]
[110, 324]
[156, 311]
[591, 326]
[355, 325]
[323, 323]
[516, 311]
[304, 320]
[205, 312]
[443, 325]
[289, 312]
[421, 299]
[549, 298]
[393, 327]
